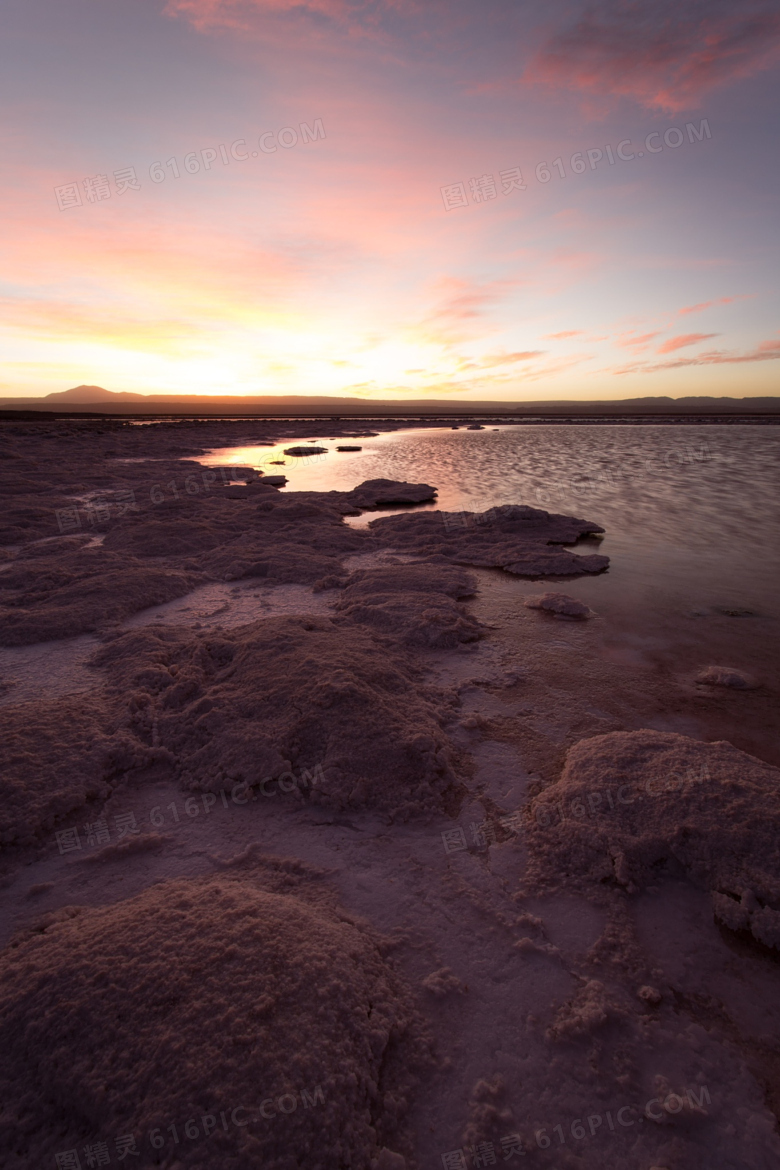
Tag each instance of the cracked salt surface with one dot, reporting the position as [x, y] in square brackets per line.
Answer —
[228, 606]
[517, 964]
[47, 669]
[51, 669]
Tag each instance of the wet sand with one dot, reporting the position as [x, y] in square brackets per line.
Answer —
[323, 842]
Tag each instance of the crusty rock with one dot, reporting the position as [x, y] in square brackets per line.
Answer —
[513, 537]
[300, 693]
[560, 603]
[49, 597]
[54, 757]
[727, 676]
[223, 998]
[630, 806]
[373, 492]
[417, 604]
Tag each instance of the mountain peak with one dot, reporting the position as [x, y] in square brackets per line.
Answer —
[89, 394]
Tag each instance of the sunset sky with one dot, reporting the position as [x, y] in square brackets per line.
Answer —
[328, 259]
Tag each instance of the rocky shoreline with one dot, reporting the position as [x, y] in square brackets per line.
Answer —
[481, 898]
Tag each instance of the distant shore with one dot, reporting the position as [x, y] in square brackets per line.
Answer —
[399, 421]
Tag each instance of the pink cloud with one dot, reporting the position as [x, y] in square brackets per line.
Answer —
[555, 366]
[566, 333]
[682, 340]
[238, 13]
[629, 341]
[765, 351]
[707, 305]
[490, 361]
[666, 55]
[461, 310]
[242, 14]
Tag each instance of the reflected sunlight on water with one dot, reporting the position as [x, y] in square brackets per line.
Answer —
[704, 496]
[691, 515]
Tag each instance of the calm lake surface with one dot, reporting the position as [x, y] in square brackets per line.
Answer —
[691, 513]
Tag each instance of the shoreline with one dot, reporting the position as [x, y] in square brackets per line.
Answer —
[555, 968]
[757, 418]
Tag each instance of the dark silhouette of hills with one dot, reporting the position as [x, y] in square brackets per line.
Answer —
[97, 400]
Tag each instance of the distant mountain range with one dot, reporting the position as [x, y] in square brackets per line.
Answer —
[97, 400]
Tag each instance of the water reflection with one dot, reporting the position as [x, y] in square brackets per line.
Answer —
[691, 515]
[703, 488]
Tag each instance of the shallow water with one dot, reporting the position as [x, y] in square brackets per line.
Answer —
[690, 512]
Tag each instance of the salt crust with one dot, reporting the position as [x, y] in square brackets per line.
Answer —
[727, 676]
[55, 757]
[160, 553]
[417, 604]
[374, 492]
[679, 806]
[218, 994]
[513, 537]
[242, 705]
[289, 693]
[252, 703]
[47, 465]
[39, 1021]
[560, 604]
[46, 597]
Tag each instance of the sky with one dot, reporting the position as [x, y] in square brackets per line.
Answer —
[483, 199]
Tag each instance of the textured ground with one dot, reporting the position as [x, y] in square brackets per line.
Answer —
[206, 988]
[323, 843]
